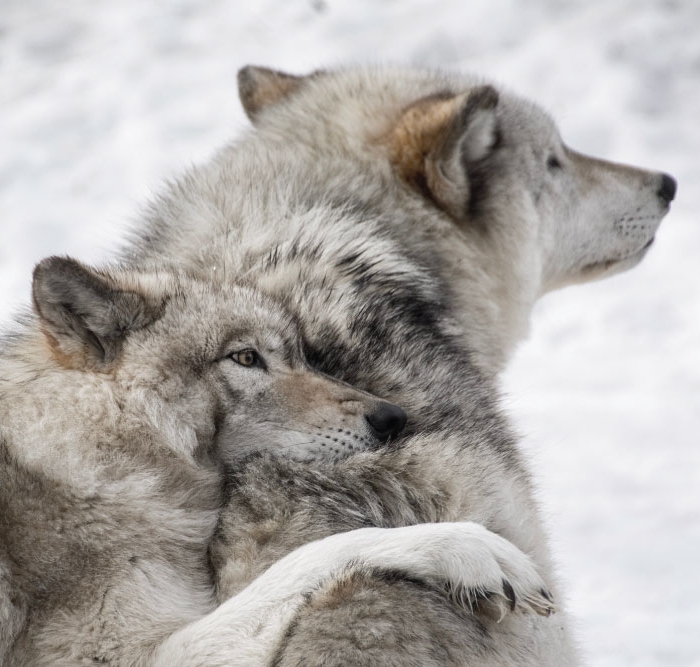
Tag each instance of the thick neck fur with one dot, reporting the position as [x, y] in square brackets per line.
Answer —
[46, 409]
[497, 281]
[79, 428]
[94, 481]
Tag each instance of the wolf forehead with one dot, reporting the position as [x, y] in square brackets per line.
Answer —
[220, 311]
[203, 317]
[213, 316]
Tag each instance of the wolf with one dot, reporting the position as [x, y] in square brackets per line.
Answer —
[409, 219]
[115, 396]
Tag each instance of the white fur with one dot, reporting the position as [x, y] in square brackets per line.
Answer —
[246, 629]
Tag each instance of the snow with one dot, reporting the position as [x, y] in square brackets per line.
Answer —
[100, 101]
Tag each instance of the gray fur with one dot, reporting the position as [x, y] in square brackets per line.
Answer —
[116, 401]
[410, 219]
[275, 505]
[407, 220]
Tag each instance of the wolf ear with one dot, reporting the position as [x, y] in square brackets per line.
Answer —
[260, 87]
[83, 313]
[439, 139]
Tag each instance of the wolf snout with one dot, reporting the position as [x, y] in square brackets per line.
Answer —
[386, 420]
[667, 189]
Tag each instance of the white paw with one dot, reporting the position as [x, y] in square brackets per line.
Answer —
[493, 576]
[480, 570]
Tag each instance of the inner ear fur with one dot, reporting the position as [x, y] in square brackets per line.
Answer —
[83, 313]
[260, 87]
[437, 139]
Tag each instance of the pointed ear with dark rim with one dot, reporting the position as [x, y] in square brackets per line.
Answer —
[260, 87]
[83, 313]
[437, 141]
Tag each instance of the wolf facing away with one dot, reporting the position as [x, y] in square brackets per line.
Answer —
[115, 398]
[409, 219]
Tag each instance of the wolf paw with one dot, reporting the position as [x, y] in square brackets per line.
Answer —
[481, 571]
[500, 579]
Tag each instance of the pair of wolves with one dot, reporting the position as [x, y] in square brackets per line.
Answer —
[172, 441]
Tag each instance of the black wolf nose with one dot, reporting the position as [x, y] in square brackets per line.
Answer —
[386, 421]
[667, 191]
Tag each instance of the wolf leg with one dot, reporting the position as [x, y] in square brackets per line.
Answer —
[247, 629]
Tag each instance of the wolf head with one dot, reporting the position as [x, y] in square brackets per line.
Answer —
[494, 164]
[207, 366]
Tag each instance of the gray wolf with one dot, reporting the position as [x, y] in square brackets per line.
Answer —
[115, 397]
[409, 219]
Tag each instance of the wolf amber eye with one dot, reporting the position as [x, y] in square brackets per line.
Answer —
[246, 358]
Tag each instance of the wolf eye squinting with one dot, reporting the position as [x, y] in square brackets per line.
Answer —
[248, 358]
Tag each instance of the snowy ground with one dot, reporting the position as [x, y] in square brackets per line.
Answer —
[99, 101]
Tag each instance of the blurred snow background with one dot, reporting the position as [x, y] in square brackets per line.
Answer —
[100, 101]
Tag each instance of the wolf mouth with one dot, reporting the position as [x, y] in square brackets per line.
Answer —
[606, 264]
